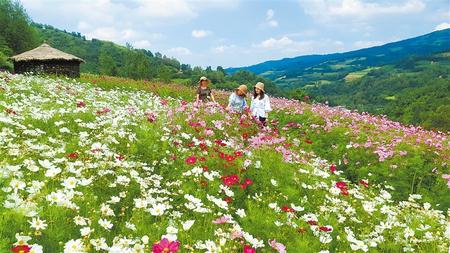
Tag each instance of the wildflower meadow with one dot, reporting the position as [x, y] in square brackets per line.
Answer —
[105, 164]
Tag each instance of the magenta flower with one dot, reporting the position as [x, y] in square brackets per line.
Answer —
[248, 249]
[165, 246]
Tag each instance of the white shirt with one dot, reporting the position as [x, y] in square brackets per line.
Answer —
[260, 107]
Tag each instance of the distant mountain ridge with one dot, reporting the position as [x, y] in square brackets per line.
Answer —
[300, 68]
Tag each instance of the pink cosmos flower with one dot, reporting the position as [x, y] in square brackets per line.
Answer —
[221, 220]
[165, 246]
[277, 246]
[447, 177]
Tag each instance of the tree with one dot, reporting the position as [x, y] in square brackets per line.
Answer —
[15, 29]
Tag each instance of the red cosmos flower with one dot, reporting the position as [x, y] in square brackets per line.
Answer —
[73, 155]
[203, 146]
[364, 183]
[312, 222]
[184, 102]
[191, 144]
[202, 159]
[120, 157]
[248, 249]
[205, 168]
[341, 185]
[103, 111]
[243, 186]
[165, 246]
[10, 111]
[229, 158]
[191, 160]
[230, 180]
[308, 141]
[245, 136]
[287, 209]
[333, 168]
[228, 199]
[326, 228]
[81, 104]
[21, 249]
[238, 153]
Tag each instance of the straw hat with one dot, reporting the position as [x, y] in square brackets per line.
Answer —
[242, 88]
[260, 86]
[204, 78]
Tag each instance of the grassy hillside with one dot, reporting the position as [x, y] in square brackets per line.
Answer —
[111, 164]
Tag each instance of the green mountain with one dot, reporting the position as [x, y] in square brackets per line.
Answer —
[312, 69]
[407, 80]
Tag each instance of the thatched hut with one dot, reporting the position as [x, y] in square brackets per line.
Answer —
[46, 59]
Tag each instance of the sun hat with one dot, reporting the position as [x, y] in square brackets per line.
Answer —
[203, 78]
[260, 86]
[242, 88]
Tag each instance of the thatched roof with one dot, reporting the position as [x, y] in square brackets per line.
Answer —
[45, 53]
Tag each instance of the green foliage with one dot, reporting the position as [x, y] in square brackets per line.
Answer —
[414, 92]
[16, 34]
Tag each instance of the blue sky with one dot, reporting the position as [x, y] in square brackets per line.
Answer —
[234, 33]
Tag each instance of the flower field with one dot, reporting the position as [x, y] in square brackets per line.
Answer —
[114, 165]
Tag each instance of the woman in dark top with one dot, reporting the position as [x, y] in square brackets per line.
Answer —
[204, 93]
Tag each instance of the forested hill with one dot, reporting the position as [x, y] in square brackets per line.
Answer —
[19, 33]
[299, 71]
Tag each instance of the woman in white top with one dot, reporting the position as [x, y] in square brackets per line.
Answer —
[236, 101]
[260, 105]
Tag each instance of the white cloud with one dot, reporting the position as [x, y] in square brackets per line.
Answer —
[269, 14]
[326, 10]
[165, 9]
[442, 26]
[273, 23]
[222, 49]
[270, 21]
[179, 51]
[200, 33]
[142, 44]
[273, 43]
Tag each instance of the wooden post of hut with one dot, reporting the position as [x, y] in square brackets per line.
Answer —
[48, 60]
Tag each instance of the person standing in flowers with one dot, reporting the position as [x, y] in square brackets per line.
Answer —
[260, 105]
[204, 93]
[236, 101]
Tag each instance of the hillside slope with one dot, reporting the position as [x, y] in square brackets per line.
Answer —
[106, 165]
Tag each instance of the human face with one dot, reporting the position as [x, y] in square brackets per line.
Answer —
[240, 93]
[204, 83]
[257, 90]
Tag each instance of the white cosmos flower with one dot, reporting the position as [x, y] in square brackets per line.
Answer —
[171, 230]
[80, 221]
[36, 248]
[38, 224]
[157, 209]
[86, 231]
[99, 244]
[188, 224]
[241, 213]
[106, 224]
[21, 239]
[70, 183]
[74, 246]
